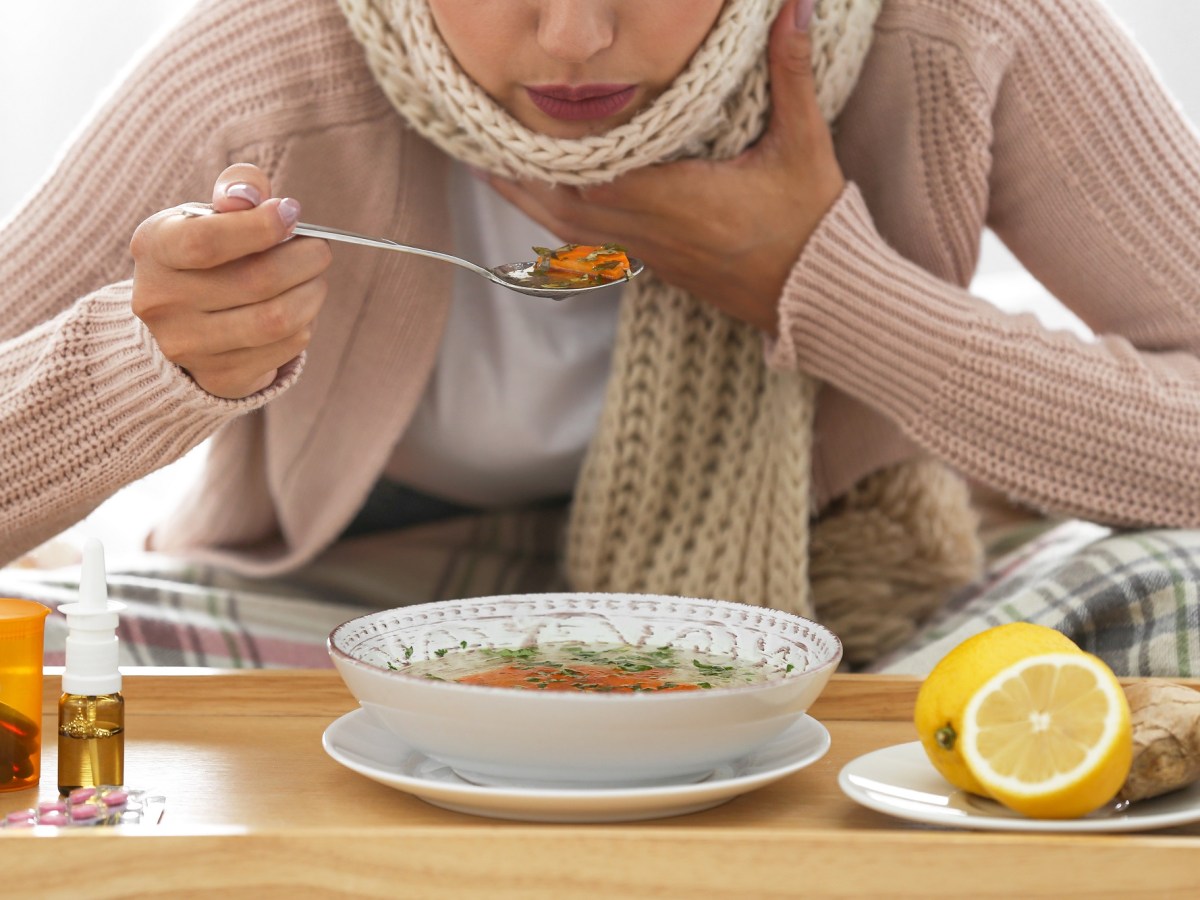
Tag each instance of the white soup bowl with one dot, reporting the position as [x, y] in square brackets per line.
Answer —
[553, 739]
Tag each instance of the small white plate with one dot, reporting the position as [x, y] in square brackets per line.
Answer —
[900, 781]
[359, 744]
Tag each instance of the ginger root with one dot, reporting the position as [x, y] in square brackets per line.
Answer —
[1166, 739]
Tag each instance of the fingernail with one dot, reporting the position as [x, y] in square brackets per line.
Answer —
[241, 191]
[289, 211]
[804, 11]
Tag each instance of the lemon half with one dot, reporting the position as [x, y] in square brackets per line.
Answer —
[1049, 736]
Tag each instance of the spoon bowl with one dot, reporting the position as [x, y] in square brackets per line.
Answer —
[521, 277]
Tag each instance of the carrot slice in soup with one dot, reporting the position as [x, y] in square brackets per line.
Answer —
[606, 262]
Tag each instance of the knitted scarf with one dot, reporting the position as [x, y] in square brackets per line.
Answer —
[697, 481]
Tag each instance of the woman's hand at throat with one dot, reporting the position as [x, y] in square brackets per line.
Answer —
[727, 232]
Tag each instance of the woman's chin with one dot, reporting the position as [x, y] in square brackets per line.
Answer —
[568, 129]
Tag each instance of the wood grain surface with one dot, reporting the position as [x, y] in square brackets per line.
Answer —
[255, 808]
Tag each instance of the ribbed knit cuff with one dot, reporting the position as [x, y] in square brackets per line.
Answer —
[858, 315]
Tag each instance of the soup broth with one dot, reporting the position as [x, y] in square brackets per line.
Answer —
[598, 668]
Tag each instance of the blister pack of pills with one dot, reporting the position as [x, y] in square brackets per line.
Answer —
[92, 806]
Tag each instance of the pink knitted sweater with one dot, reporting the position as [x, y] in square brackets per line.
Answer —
[1038, 119]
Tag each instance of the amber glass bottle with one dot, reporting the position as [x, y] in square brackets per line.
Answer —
[91, 741]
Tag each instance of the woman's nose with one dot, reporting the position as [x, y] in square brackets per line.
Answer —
[576, 30]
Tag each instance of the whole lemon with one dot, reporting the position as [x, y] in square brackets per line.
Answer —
[955, 679]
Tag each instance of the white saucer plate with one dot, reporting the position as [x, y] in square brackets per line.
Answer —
[359, 744]
[900, 781]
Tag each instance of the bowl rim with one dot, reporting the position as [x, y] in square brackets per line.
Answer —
[339, 655]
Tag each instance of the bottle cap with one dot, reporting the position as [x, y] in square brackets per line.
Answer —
[92, 649]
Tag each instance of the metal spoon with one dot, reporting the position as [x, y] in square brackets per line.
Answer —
[518, 276]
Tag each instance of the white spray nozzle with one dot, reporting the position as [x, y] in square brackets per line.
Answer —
[92, 651]
[93, 582]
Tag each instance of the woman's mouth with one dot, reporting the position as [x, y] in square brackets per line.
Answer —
[582, 102]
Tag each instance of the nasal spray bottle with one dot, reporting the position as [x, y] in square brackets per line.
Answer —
[91, 711]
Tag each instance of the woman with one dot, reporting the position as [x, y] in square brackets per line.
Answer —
[783, 255]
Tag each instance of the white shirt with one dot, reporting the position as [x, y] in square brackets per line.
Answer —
[516, 391]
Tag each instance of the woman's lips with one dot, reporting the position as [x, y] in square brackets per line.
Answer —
[581, 102]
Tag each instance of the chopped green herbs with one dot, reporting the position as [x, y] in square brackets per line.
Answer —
[588, 668]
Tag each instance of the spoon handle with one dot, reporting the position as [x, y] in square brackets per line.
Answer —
[349, 237]
[305, 229]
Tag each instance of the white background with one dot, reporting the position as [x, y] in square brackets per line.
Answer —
[57, 60]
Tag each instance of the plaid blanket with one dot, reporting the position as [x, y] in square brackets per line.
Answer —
[182, 614]
[1132, 598]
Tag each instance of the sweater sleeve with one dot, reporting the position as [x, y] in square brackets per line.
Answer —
[88, 403]
[1096, 188]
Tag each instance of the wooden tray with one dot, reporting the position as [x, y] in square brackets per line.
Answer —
[255, 808]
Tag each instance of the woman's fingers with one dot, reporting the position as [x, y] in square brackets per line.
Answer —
[229, 297]
[798, 141]
[247, 280]
[268, 323]
[241, 186]
[181, 242]
[639, 203]
[162, 292]
[194, 336]
[236, 351]
[796, 119]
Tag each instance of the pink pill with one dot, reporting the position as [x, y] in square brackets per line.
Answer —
[51, 806]
[20, 817]
[83, 813]
[80, 794]
[116, 797]
[53, 818]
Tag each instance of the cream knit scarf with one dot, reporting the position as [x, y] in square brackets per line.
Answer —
[697, 481]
